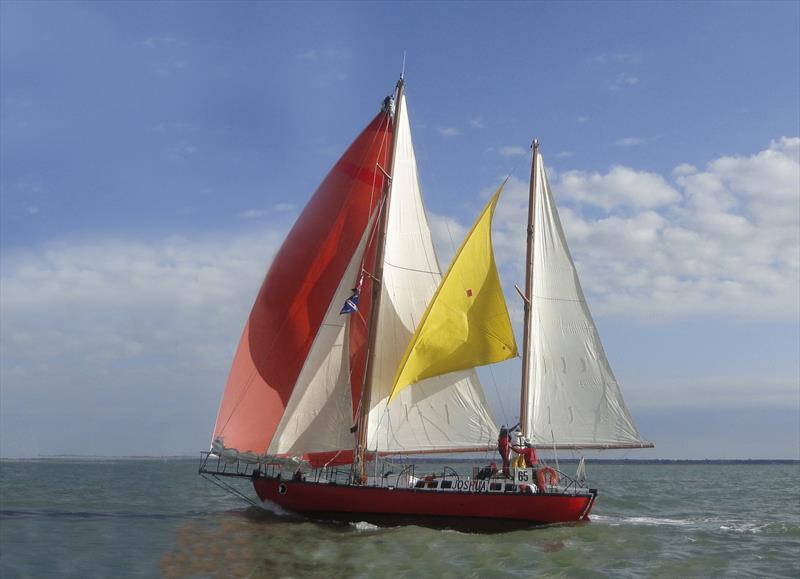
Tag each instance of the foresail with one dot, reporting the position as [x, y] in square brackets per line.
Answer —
[447, 412]
[318, 416]
[574, 400]
[467, 323]
[297, 293]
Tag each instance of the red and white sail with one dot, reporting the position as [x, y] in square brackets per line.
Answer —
[318, 415]
[290, 320]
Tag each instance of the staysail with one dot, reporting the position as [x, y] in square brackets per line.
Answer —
[445, 413]
[574, 400]
[318, 415]
[280, 354]
[467, 322]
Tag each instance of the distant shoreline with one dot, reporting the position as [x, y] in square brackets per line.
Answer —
[611, 461]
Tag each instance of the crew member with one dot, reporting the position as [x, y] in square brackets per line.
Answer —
[528, 452]
[504, 447]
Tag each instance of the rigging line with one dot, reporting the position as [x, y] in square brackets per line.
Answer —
[497, 393]
[517, 164]
[411, 268]
[560, 299]
[251, 376]
[450, 235]
[382, 149]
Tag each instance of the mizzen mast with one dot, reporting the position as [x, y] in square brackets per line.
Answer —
[526, 335]
[362, 424]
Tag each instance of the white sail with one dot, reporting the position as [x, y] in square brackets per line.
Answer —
[319, 412]
[446, 412]
[574, 399]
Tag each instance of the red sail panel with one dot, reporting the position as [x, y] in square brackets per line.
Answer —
[297, 291]
[359, 324]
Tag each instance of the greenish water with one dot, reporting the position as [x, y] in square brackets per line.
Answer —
[124, 518]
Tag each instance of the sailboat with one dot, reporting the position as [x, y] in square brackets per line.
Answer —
[358, 355]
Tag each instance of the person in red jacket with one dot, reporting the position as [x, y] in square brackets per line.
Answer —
[528, 452]
[504, 447]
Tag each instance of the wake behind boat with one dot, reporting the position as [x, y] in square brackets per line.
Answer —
[358, 351]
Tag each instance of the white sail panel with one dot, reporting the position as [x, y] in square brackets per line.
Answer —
[446, 412]
[319, 413]
[574, 399]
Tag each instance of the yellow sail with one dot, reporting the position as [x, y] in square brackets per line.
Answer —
[466, 323]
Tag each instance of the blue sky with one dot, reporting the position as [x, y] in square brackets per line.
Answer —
[154, 154]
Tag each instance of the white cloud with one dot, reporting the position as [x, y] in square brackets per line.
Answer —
[621, 186]
[624, 81]
[512, 151]
[180, 151]
[252, 213]
[630, 141]
[320, 54]
[309, 55]
[170, 126]
[476, 123]
[617, 57]
[162, 42]
[120, 331]
[449, 131]
[721, 242]
[581, 119]
[119, 273]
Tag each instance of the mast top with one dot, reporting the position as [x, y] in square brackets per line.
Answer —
[535, 145]
[403, 69]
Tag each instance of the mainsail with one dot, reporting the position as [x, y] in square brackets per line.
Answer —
[574, 400]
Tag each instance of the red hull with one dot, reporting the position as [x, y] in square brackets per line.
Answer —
[346, 501]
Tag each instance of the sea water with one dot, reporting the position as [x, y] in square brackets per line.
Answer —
[158, 518]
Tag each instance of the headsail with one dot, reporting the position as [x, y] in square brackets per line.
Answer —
[318, 415]
[448, 412]
[467, 322]
[574, 399]
[305, 279]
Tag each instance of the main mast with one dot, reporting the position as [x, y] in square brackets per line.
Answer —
[362, 423]
[526, 336]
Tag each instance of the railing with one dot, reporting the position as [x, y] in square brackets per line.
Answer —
[214, 469]
[409, 471]
[566, 485]
[212, 464]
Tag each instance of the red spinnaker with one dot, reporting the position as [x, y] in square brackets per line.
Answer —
[297, 291]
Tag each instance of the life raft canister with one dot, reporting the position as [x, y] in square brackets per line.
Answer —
[552, 476]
